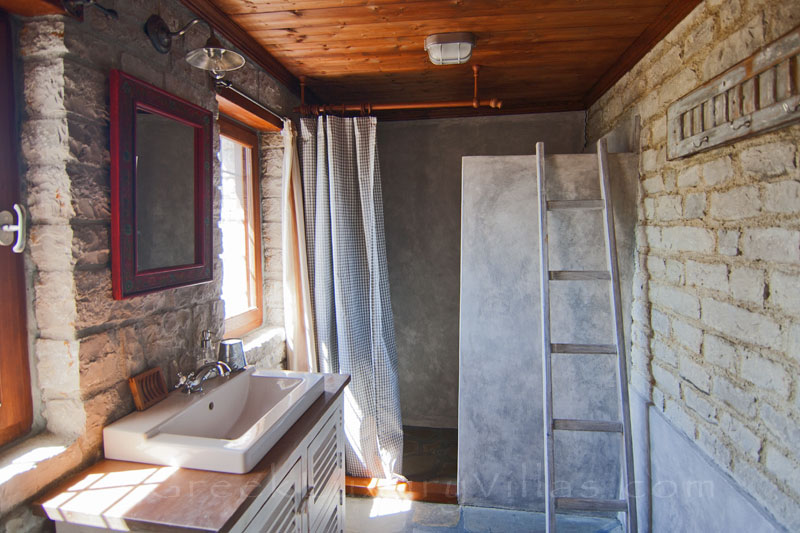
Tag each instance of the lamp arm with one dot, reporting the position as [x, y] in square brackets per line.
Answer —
[160, 34]
[188, 25]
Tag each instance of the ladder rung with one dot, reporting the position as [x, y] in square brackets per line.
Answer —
[584, 348]
[579, 275]
[591, 504]
[574, 204]
[569, 424]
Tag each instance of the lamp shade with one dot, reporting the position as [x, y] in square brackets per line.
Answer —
[449, 48]
[215, 58]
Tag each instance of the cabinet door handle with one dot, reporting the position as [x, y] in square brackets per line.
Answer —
[303, 507]
[8, 229]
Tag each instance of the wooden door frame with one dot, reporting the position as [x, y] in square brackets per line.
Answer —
[16, 404]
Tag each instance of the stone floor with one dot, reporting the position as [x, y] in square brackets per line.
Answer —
[382, 515]
[430, 454]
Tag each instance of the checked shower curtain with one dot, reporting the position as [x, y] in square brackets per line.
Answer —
[352, 312]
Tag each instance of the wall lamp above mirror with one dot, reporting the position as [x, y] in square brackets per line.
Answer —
[212, 57]
[161, 189]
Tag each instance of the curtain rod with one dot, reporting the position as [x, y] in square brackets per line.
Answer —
[228, 85]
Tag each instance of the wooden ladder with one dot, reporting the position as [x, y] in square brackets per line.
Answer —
[628, 503]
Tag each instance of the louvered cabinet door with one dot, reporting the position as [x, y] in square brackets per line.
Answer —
[326, 477]
[331, 515]
[279, 514]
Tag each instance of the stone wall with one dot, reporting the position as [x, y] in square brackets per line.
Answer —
[271, 183]
[84, 343]
[265, 346]
[716, 336]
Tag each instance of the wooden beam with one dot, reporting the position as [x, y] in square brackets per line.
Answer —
[243, 110]
[675, 12]
[32, 8]
[243, 41]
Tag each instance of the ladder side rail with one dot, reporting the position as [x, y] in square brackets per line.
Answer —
[622, 373]
[547, 393]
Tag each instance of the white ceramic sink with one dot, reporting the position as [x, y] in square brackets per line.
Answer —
[228, 427]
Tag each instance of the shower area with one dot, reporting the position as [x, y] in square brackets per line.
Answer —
[448, 391]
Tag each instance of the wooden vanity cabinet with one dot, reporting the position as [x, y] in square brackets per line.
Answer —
[309, 498]
[297, 487]
[282, 512]
[325, 471]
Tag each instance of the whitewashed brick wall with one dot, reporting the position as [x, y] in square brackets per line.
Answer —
[716, 340]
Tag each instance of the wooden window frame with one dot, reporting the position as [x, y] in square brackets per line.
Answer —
[242, 323]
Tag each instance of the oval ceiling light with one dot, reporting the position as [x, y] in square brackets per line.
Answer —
[449, 48]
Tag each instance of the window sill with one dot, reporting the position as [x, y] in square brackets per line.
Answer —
[265, 347]
[30, 465]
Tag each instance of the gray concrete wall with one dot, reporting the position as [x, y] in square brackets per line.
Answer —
[690, 493]
[421, 178]
[500, 400]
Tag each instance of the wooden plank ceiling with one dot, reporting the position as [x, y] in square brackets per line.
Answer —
[535, 55]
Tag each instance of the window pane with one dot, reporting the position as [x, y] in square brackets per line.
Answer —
[238, 240]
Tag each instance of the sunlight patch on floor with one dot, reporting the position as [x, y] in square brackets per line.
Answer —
[388, 506]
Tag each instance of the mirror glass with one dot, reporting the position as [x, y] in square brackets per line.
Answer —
[164, 188]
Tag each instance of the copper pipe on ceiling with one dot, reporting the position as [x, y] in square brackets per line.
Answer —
[365, 109]
[475, 102]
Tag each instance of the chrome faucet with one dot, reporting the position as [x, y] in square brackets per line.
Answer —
[193, 382]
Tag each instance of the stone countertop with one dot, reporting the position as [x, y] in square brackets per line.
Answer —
[136, 496]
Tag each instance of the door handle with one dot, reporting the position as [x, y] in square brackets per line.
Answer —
[8, 229]
[303, 506]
